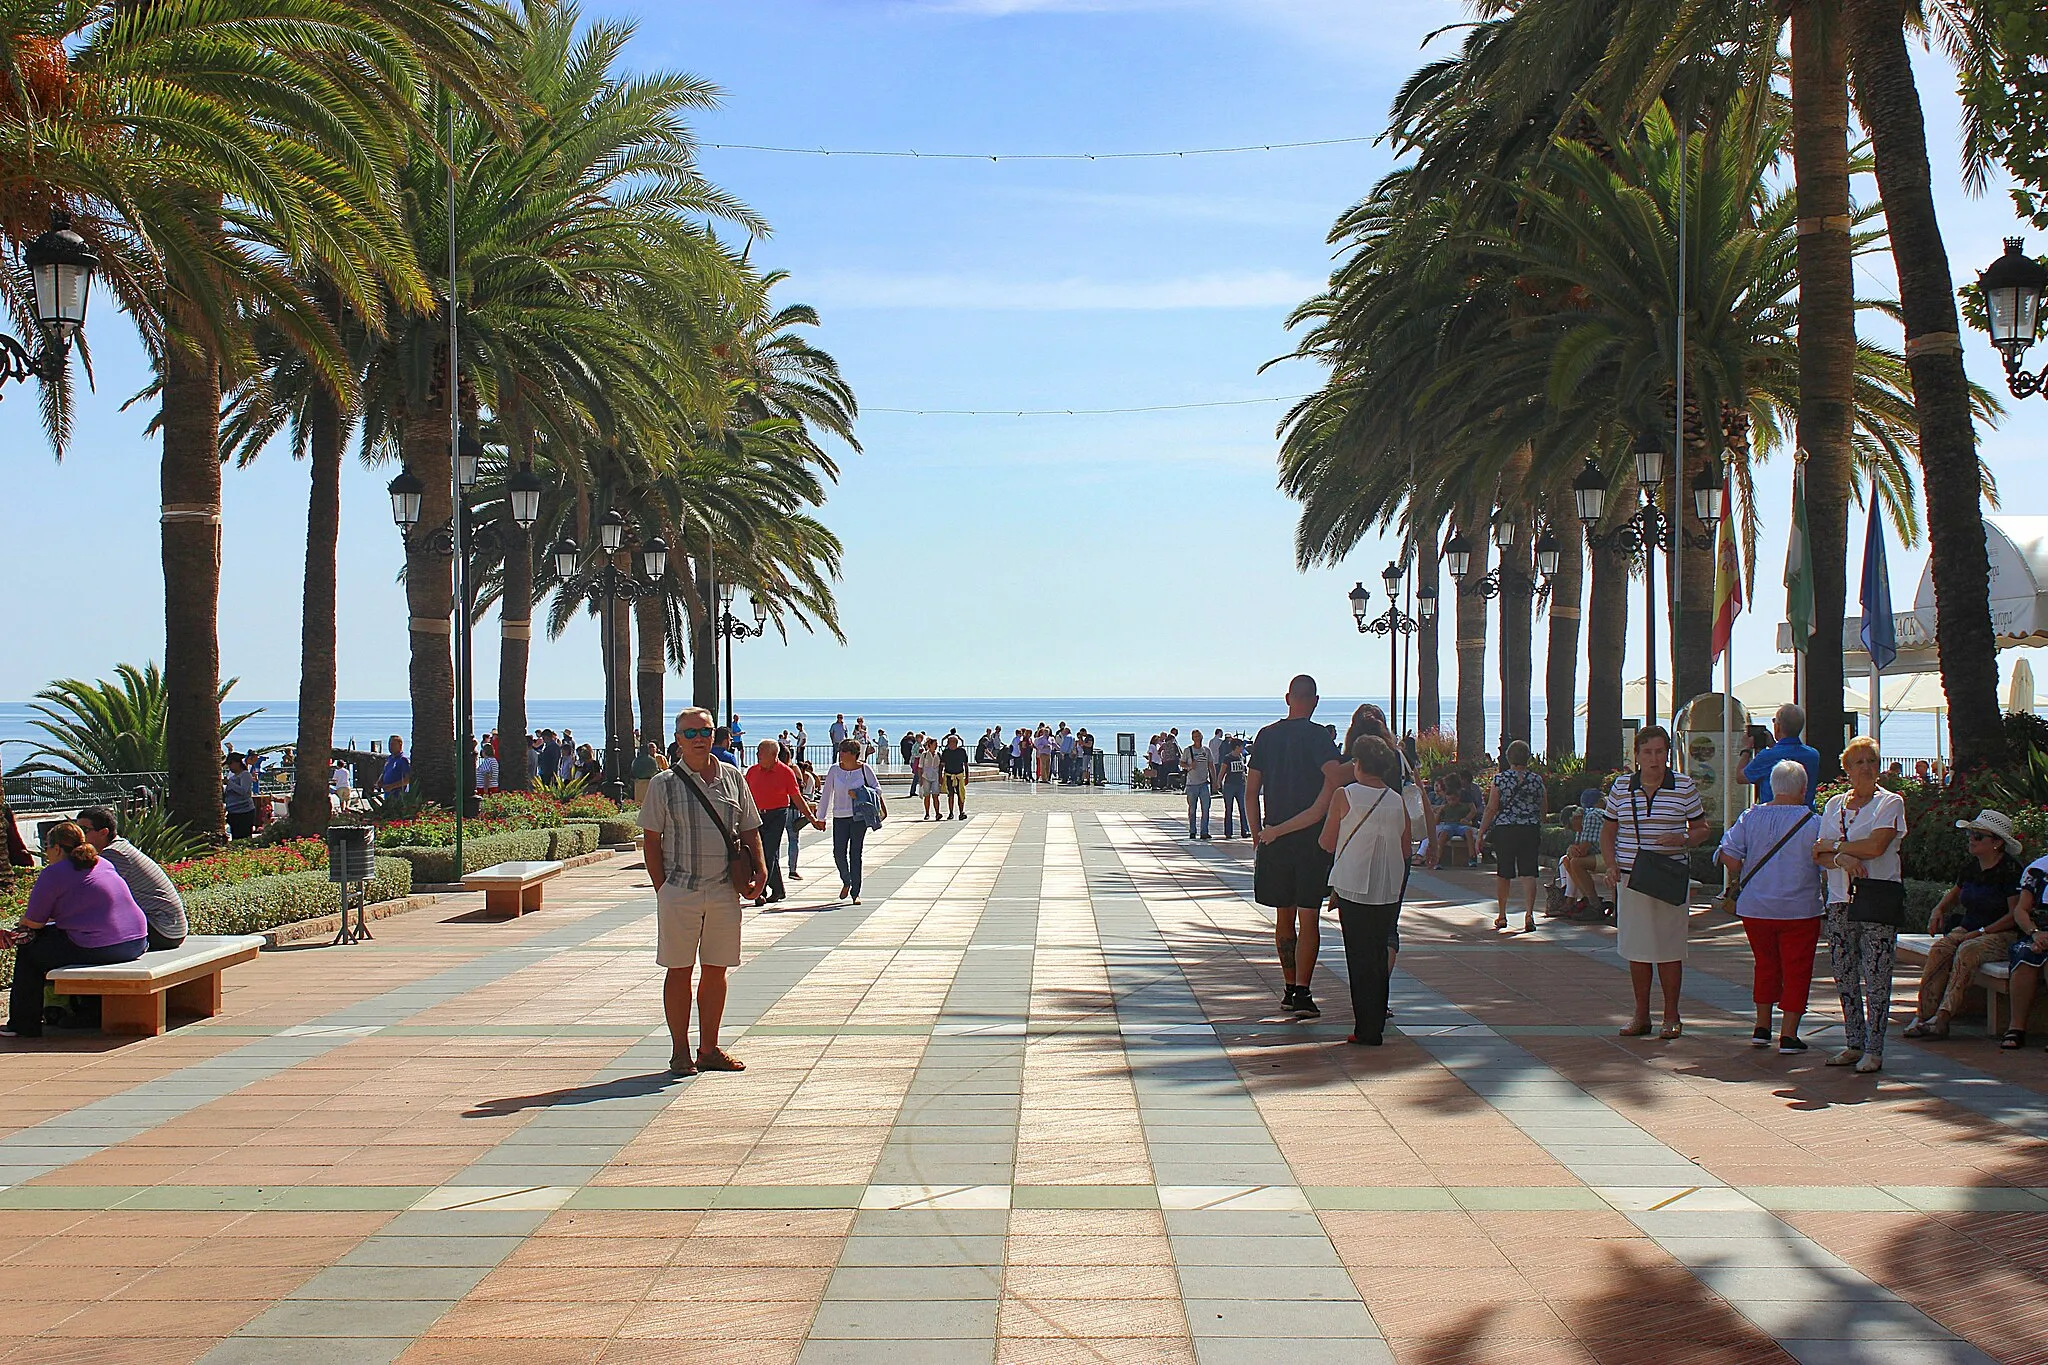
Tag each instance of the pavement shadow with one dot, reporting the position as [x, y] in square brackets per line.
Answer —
[621, 1088]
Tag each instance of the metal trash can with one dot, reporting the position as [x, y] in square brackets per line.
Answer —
[351, 853]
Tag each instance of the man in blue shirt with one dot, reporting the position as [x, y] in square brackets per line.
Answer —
[723, 748]
[397, 769]
[1786, 727]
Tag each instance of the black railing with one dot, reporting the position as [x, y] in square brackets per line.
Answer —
[31, 792]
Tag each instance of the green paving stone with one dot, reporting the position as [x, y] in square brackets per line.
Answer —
[1385, 1198]
[1494, 1197]
[346, 1198]
[1969, 1198]
[1826, 1198]
[790, 1197]
[89, 1197]
[1084, 1197]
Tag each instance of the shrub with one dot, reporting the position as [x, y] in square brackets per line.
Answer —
[435, 864]
[623, 829]
[250, 907]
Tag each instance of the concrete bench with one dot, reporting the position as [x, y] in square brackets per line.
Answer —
[511, 889]
[1993, 978]
[139, 997]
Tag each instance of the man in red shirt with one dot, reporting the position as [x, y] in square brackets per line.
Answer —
[781, 800]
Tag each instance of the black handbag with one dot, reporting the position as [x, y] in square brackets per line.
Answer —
[1878, 902]
[1658, 875]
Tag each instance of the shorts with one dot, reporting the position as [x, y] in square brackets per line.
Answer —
[1293, 871]
[1514, 851]
[956, 784]
[697, 926]
[2025, 954]
[1455, 831]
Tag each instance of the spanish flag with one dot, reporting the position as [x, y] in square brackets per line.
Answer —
[1727, 574]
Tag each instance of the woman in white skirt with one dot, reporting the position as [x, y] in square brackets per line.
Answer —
[1658, 811]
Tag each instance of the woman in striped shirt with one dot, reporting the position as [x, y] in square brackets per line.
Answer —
[1653, 810]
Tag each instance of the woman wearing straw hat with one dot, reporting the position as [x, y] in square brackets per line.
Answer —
[1973, 923]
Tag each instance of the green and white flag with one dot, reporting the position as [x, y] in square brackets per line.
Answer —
[1799, 567]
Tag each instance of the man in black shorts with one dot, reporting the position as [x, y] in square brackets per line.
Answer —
[1293, 768]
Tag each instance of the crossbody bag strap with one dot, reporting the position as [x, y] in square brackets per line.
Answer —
[732, 844]
[1750, 875]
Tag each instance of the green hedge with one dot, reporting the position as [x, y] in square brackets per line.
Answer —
[624, 829]
[261, 903]
[436, 866]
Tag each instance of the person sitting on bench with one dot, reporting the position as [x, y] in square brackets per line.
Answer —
[151, 886]
[80, 914]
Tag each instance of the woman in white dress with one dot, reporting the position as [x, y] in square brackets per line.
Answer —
[1367, 831]
[1652, 812]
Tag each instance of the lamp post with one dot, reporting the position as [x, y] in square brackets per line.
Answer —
[605, 585]
[2012, 290]
[1500, 582]
[61, 267]
[1646, 530]
[1393, 623]
[731, 628]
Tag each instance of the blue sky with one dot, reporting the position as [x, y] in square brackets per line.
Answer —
[1136, 554]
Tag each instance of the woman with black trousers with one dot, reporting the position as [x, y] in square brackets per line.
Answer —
[1368, 833]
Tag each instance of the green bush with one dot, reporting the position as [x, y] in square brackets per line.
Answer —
[624, 829]
[436, 865]
[262, 903]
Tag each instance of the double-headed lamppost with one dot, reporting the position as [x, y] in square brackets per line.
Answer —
[2012, 289]
[1648, 531]
[615, 586]
[1392, 623]
[1506, 530]
[731, 628]
[61, 268]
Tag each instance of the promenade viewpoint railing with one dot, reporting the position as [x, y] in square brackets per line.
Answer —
[32, 792]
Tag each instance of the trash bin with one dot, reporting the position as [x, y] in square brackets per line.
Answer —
[351, 853]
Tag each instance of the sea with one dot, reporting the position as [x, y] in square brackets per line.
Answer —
[357, 723]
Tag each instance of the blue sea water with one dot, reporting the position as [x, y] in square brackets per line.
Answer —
[359, 722]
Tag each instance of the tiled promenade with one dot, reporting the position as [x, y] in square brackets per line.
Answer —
[1028, 1103]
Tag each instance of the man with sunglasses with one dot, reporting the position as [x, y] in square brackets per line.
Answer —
[694, 815]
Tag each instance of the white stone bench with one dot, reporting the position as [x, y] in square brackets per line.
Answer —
[511, 889]
[1993, 978]
[138, 997]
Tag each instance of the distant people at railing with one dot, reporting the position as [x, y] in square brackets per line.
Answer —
[645, 767]
[487, 768]
[238, 797]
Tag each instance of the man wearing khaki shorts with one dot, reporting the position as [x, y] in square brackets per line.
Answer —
[696, 904]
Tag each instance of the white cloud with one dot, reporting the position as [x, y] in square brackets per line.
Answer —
[1247, 289]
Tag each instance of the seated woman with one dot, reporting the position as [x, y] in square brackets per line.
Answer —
[2029, 953]
[1456, 818]
[80, 913]
[1974, 922]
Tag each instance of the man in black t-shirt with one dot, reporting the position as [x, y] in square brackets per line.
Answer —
[953, 772]
[1293, 768]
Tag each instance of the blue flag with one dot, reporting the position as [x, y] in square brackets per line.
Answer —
[1880, 640]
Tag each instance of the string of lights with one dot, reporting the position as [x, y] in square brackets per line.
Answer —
[914, 155]
[1081, 412]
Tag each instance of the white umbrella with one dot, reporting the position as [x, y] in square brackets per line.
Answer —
[2020, 699]
[1772, 688]
[1632, 700]
[1917, 694]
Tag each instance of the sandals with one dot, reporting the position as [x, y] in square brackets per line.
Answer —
[1641, 1030]
[2013, 1040]
[1916, 1029]
[1674, 1029]
[718, 1059]
[1500, 921]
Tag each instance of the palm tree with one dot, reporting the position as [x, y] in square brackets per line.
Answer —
[588, 283]
[102, 728]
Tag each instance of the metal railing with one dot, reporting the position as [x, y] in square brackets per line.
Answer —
[28, 793]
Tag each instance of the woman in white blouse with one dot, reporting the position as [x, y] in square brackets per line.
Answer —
[1859, 837]
[835, 803]
[1367, 831]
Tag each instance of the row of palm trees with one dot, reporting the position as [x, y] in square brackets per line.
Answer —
[1504, 312]
[295, 199]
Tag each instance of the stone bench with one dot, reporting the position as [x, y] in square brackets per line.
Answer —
[139, 997]
[1993, 978]
[511, 889]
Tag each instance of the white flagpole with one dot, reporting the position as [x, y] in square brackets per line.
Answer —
[1876, 704]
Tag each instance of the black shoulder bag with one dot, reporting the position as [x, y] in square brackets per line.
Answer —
[1658, 875]
[1871, 900]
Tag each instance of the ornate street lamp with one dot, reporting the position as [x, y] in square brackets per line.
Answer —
[1647, 530]
[730, 628]
[1393, 623]
[605, 585]
[523, 491]
[2013, 289]
[406, 492]
[61, 267]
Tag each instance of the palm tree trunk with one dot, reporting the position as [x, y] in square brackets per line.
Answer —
[1606, 648]
[1561, 662]
[191, 558]
[1517, 638]
[1472, 613]
[704, 643]
[652, 617]
[1428, 679]
[1692, 638]
[1827, 344]
[515, 644]
[430, 598]
[316, 616]
[1890, 105]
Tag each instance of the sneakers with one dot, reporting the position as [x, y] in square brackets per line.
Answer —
[1870, 1062]
[1848, 1056]
[1287, 998]
[1760, 1038]
[1305, 1004]
[1789, 1046]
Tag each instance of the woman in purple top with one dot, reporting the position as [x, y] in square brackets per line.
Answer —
[80, 913]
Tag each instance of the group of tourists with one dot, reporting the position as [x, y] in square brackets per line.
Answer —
[1046, 753]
